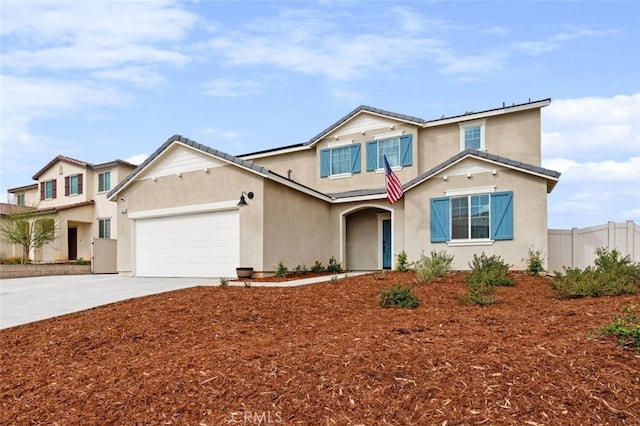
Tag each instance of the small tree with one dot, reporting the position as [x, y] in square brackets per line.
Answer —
[28, 229]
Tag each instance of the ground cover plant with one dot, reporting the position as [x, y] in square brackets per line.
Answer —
[436, 265]
[612, 275]
[326, 354]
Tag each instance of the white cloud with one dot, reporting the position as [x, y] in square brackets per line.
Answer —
[229, 88]
[137, 159]
[141, 76]
[554, 42]
[89, 35]
[627, 171]
[588, 128]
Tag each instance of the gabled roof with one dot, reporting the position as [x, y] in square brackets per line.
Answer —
[504, 109]
[23, 188]
[551, 176]
[9, 209]
[227, 158]
[78, 163]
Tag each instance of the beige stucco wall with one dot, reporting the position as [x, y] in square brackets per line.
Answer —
[530, 217]
[219, 184]
[298, 229]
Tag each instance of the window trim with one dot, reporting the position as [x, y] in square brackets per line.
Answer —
[103, 174]
[474, 123]
[469, 240]
[101, 223]
[326, 159]
[20, 199]
[405, 152]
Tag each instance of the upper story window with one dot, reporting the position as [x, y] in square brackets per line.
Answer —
[480, 217]
[472, 135]
[397, 149]
[340, 160]
[48, 189]
[104, 181]
[20, 199]
[104, 228]
[73, 184]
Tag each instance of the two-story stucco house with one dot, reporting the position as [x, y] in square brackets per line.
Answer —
[472, 183]
[76, 193]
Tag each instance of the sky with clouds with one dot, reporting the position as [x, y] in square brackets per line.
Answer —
[105, 80]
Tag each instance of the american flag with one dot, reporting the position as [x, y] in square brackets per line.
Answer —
[394, 187]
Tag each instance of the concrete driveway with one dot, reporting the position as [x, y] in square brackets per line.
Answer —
[24, 300]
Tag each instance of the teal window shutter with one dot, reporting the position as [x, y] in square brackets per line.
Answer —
[325, 163]
[406, 153]
[439, 220]
[502, 215]
[372, 155]
[355, 158]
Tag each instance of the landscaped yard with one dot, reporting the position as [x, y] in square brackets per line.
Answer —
[326, 354]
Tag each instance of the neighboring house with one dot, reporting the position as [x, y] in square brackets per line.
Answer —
[76, 192]
[472, 183]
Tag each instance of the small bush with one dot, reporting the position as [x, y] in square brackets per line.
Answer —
[612, 275]
[301, 269]
[281, 270]
[438, 264]
[224, 281]
[318, 267]
[80, 261]
[247, 284]
[398, 296]
[402, 262]
[489, 270]
[13, 260]
[535, 262]
[626, 327]
[333, 265]
[480, 292]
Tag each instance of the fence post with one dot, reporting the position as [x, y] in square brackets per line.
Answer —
[631, 243]
[574, 247]
[612, 235]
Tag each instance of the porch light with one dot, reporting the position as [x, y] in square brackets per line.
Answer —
[242, 201]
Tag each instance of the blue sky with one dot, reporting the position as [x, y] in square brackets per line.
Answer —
[99, 81]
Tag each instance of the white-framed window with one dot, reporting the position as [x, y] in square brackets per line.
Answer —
[339, 161]
[20, 199]
[397, 149]
[472, 135]
[104, 228]
[470, 217]
[104, 181]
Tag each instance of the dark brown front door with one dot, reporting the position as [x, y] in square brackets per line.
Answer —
[72, 237]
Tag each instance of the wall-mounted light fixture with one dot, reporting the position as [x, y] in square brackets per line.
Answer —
[242, 201]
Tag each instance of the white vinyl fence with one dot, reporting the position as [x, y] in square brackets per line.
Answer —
[575, 248]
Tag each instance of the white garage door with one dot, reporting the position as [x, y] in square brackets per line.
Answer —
[191, 245]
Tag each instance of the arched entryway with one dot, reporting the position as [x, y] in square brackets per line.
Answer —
[367, 237]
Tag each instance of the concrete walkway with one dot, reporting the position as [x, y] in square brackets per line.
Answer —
[25, 300]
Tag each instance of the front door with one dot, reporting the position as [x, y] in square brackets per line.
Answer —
[386, 244]
[72, 238]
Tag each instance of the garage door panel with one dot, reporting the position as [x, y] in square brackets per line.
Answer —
[195, 245]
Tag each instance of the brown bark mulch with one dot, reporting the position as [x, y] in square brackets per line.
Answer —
[325, 354]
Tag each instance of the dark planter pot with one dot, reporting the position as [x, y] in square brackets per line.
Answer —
[244, 272]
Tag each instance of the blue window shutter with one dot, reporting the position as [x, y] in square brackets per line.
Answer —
[406, 153]
[325, 163]
[372, 155]
[502, 215]
[439, 219]
[355, 158]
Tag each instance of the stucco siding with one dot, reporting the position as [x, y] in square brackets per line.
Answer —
[297, 229]
[530, 221]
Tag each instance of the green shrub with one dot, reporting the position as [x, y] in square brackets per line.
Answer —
[535, 262]
[480, 292]
[281, 270]
[612, 275]
[318, 267]
[402, 262]
[247, 284]
[438, 264]
[398, 296]
[626, 327]
[333, 265]
[489, 270]
[224, 281]
[80, 261]
[301, 269]
[13, 260]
